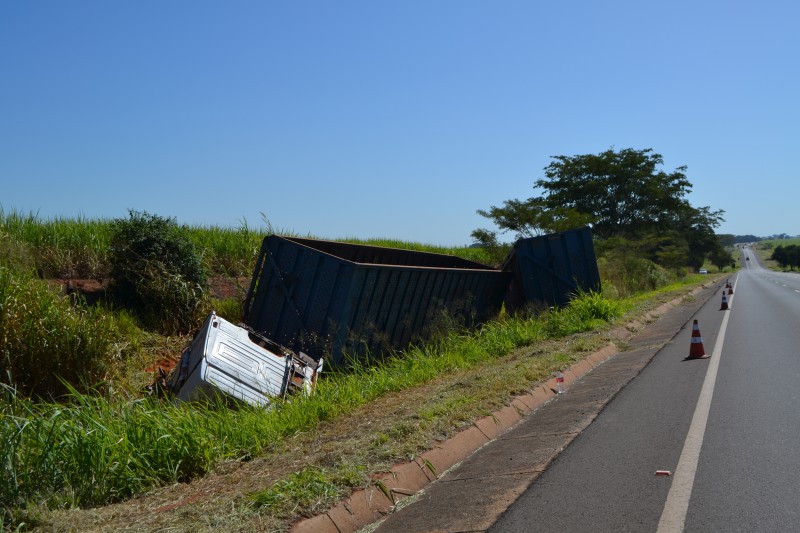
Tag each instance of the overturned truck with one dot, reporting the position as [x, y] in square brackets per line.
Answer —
[340, 301]
[343, 300]
[233, 362]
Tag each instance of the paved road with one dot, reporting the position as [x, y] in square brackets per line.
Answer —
[727, 427]
[474, 495]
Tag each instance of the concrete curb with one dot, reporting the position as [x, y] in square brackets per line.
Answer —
[366, 506]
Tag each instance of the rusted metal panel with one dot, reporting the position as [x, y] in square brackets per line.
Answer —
[548, 270]
[325, 297]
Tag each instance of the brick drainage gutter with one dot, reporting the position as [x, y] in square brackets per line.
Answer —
[482, 470]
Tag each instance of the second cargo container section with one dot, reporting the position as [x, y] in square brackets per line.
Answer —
[333, 300]
[549, 269]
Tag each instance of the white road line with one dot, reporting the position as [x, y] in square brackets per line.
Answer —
[674, 514]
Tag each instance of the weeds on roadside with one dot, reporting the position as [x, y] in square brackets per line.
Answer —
[308, 491]
[587, 311]
[91, 450]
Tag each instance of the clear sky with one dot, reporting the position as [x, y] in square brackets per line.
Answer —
[388, 119]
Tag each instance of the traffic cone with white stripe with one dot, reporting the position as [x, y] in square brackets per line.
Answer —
[560, 382]
[724, 306]
[697, 350]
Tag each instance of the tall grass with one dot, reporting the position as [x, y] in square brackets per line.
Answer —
[93, 451]
[227, 251]
[45, 338]
[79, 247]
[64, 247]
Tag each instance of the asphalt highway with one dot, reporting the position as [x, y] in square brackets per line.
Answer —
[725, 428]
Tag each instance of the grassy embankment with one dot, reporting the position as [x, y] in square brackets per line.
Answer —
[95, 448]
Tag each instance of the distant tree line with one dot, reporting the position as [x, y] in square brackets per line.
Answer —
[787, 256]
[738, 239]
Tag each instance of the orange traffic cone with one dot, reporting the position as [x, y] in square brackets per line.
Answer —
[697, 350]
[730, 289]
[724, 306]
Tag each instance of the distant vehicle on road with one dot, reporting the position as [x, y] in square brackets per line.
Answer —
[702, 271]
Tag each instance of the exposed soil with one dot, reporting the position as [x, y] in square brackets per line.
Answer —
[94, 290]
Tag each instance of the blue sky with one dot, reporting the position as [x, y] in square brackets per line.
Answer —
[388, 119]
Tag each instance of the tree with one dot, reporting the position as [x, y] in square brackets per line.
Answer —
[532, 217]
[156, 272]
[696, 227]
[787, 256]
[720, 257]
[494, 250]
[624, 190]
[523, 217]
[779, 255]
[620, 194]
[727, 239]
[793, 253]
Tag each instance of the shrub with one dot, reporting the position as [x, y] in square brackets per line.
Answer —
[630, 275]
[157, 273]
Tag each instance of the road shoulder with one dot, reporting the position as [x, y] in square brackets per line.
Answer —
[468, 481]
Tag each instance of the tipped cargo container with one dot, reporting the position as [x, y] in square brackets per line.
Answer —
[337, 300]
[548, 270]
